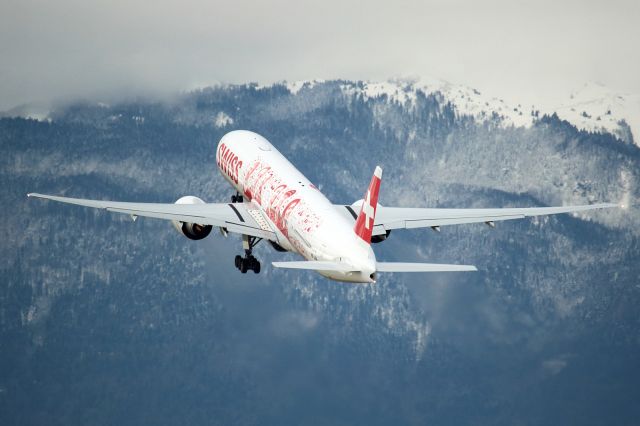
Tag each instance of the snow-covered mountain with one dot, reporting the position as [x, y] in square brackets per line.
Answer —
[592, 107]
[126, 322]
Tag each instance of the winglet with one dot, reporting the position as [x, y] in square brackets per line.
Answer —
[366, 218]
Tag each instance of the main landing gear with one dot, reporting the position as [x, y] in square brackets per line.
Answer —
[237, 198]
[248, 262]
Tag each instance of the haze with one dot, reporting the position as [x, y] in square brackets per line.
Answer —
[104, 50]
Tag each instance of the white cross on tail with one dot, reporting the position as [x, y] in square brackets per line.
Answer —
[368, 210]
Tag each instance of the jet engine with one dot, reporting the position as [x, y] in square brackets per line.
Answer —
[375, 239]
[193, 231]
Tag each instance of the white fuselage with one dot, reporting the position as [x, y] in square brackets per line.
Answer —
[304, 220]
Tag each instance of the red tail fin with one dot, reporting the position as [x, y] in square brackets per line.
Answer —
[364, 224]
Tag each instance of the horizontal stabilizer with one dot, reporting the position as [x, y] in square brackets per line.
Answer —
[422, 267]
[314, 265]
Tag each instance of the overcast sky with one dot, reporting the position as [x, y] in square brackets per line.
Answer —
[523, 50]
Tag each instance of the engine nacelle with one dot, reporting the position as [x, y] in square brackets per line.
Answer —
[277, 247]
[375, 239]
[193, 231]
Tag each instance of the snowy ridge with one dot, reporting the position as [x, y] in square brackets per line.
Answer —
[296, 86]
[592, 108]
[466, 100]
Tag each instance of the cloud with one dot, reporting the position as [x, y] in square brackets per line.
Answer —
[294, 323]
[554, 366]
[106, 49]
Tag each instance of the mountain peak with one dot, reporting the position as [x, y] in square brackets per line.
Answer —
[595, 107]
[592, 107]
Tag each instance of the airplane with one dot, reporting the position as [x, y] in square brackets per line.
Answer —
[273, 201]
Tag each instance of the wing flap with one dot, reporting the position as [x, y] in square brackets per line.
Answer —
[238, 228]
[411, 224]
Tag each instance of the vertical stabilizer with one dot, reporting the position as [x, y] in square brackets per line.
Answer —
[364, 223]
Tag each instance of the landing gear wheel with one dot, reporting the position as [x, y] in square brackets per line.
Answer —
[237, 198]
[248, 262]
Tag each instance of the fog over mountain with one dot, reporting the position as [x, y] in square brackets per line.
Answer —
[108, 321]
[523, 51]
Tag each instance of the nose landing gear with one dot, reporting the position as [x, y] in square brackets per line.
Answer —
[248, 262]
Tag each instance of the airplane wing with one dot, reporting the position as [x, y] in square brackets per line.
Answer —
[234, 217]
[389, 218]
